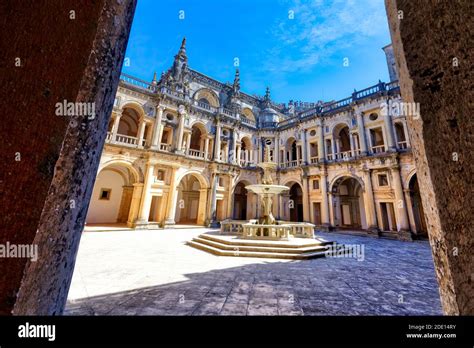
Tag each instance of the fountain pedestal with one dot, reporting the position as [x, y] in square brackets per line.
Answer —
[265, 237]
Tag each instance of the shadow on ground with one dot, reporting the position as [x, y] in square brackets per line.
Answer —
[395, 278]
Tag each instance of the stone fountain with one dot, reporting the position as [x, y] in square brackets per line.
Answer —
[265, 237]
[268, 227]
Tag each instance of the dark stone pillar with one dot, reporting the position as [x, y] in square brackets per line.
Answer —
[433, 48]
[68, 50]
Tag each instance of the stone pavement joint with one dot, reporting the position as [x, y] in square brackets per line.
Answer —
[155, 273]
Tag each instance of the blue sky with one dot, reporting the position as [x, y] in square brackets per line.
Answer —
[300, 58]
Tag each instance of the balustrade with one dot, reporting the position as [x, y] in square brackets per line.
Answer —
[127, 140]
[378, 149]
[165, 147]
[195, 153]
[403, 145]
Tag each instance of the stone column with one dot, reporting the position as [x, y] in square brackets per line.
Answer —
[389, 132]
[369, 202]
[351, 138]
[332, 213]
[206, 148]
[334, 147]
[217, 145]
[325, 202]
[321, 149]
[259, 151]
[305, 198]
[172, 197]
[188, 142]
[213, 211]
[239, 153]
[305, 147]
[234, 147]
[362, 138]
[411, 218]
[141, 132]
[400, 205]
[115, 127]
[405, 131]
[179, 142]
[337, 142]
[145, 202]
[277, 149]
[135, 204]
[308, 152]
[157, 127]
[229, 197]
[226, 152]
[46, 217]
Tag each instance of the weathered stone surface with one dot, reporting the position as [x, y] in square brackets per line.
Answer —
[52, 65]
[171, 278]
[433, 48]
[46, 194]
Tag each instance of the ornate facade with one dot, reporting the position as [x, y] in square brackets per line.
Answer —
[181, 149]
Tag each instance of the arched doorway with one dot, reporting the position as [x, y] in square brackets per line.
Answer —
[245, 151]
[296, 202]
[129, 122]
[293, 151]
[417, 208]
[191, 201]
[343, 142]
[197, 140]
[112, 195]
[348, 204]
[400, 135]
[240, 201]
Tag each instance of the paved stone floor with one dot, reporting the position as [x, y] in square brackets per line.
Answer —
[155, 273]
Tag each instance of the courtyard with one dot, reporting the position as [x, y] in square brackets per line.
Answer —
[153, 272]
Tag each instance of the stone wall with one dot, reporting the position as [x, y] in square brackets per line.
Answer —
[49, 161]
[433, 48]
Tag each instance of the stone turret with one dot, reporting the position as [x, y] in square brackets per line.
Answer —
[236, 85]
[177, 76]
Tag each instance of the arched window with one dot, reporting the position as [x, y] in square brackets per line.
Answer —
[204, 101]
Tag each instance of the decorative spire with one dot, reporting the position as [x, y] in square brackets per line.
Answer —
[267, 98]
[182, 49]
[154, 81]
[179, 68]
[236, 85]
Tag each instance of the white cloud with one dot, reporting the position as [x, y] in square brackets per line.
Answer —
[321, 29]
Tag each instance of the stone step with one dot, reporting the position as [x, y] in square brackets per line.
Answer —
[389, 234]
[258, 248]
[263, 243]
[220, 252]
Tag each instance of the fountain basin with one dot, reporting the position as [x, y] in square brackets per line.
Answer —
[280, 231]
[267, 189]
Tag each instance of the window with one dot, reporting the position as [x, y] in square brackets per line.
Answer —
[169, 117]
[383, 180]
[373, 116]
[312, 133]
[204, 101]
[105, 194]
[160, 175]
[315, 184]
